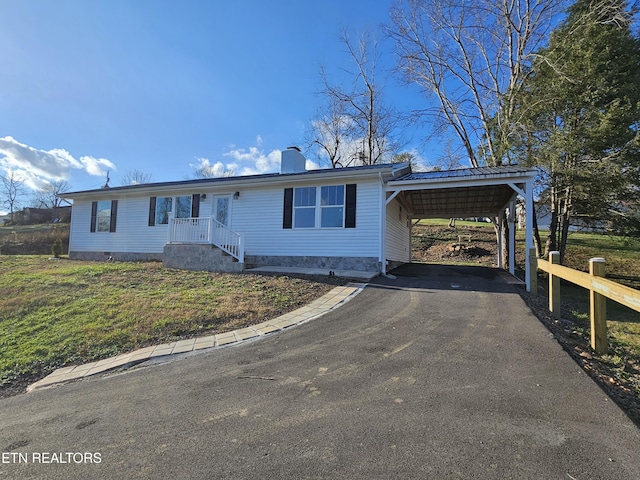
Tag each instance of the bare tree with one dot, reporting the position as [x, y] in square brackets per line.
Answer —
[12, 189]
[330, 133]
[135, 177]
[356, 126]
[48, 196]
[470, 57]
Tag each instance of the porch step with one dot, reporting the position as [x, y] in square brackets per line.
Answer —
[199, 257]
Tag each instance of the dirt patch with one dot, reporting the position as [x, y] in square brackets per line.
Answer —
[440, 244]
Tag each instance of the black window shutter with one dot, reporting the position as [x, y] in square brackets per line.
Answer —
[287, 218]
[350, 206]
[195, 205]
[152, 211]
[94, 216]
[114, 215]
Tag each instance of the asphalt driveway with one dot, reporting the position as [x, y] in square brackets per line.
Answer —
[440, 373]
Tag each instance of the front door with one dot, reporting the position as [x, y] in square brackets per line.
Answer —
[221, 204]
[222, 214]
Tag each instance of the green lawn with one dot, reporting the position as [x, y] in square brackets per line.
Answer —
[622, 255]
[60, 312]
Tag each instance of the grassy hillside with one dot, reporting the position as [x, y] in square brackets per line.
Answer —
[60, 312]
[33, 239]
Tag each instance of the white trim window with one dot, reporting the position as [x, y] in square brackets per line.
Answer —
[332, 206]
[318, 207]
[182, 206]
[328, 206]
[104, 215]
[304, 207]
[164, 206]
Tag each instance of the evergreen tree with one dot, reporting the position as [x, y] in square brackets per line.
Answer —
[578, 116]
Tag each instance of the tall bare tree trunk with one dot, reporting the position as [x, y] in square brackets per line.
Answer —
[536, 235]
[505, 240]
[565, 220]
[551, 244]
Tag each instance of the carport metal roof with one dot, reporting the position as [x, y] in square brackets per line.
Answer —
[469, 192]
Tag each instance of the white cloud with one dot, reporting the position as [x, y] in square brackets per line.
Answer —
[254, 161]
[244, 161]
[205, 169]
[96, 166]
[311, 165]
[37, 167]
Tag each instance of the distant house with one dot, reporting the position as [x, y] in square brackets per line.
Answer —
[32, 216]
[356, 218]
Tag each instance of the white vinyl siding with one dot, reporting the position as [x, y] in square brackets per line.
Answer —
[133, 233]
[398, 244]
[257, 214]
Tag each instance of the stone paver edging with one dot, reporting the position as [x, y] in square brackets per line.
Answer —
[318, 307]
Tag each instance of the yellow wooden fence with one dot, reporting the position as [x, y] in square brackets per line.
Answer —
[599, 290]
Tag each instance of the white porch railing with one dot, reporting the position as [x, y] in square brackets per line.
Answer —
[189, 230]
[227, 240]
[206, 230]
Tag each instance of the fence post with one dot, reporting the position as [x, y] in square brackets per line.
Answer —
[598, 308]
[240, 249]
[171, 227]
[554, 287]
[533, 271]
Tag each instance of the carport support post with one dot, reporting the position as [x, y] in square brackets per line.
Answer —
[598, 308]
[500, 259]
[554, 287]
[512, 236]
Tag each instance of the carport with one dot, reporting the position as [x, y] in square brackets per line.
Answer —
[471, 192]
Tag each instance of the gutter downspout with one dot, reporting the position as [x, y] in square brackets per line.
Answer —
[383, 227]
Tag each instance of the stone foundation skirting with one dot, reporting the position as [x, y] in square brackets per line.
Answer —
[117, 256]
[210, 258]
[363, 264]
[198, 257]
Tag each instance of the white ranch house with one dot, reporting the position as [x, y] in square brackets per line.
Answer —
[347, 219]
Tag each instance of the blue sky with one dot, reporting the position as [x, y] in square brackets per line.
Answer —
[160, 86]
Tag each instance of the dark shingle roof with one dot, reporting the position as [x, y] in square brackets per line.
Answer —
[464, 172]
[238, 179]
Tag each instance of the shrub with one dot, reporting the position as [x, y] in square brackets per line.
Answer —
[56, 248]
